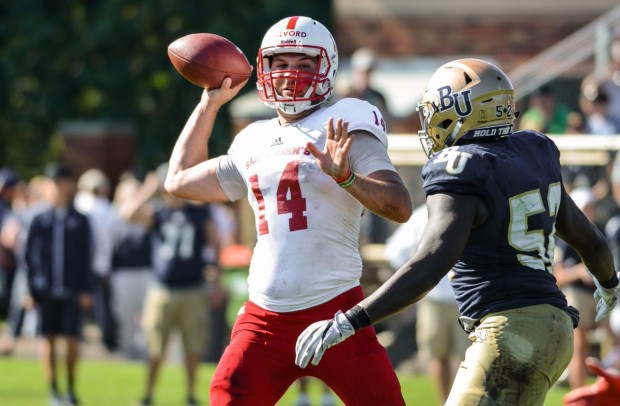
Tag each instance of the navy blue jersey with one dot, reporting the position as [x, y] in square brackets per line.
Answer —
[507, 262]
[132, 247]
[179, 245]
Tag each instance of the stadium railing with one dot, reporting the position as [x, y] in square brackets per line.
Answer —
[583, 149]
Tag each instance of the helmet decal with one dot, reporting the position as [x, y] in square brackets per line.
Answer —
[291, 23]
[457, 100]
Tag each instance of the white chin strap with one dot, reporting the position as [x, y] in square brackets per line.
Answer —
[450, 140]
[292, 107]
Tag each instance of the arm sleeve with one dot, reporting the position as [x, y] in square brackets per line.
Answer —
[368, 154]
[230, 179]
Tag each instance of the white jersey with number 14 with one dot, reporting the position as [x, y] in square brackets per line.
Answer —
[307, 227]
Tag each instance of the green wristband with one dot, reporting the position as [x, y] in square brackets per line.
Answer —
[348, 182]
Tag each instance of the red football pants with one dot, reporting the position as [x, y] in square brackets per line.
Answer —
[258, 366]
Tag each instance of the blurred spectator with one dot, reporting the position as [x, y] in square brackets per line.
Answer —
[131, 268]
[612, 231]
[599, 102]
[375, 229]
[303, 399]
[37, 198]
[573, 278]
[612, 227]
[575, 122]
[545, 114]
[363, 65]
[611, 84]
[92, 200]
[440, 339]
[611, 359]
[226, 221]
[184, 254]
[59, 261]
[8, 186]
[595, 106]
[593, 102]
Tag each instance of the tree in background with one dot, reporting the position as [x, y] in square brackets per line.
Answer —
[106, 60]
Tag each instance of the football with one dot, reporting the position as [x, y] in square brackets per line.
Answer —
[206, 59]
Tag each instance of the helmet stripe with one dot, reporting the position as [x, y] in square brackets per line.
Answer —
[292, 22]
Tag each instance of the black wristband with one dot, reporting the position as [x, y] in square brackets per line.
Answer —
[610, 283]
[358, 317]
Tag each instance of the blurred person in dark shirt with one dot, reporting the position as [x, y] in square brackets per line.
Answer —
[58, 255]
[131, 268]
[9, 181]
[576, 283]
[184, 261]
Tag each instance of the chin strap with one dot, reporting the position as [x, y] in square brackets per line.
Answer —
[451, 138]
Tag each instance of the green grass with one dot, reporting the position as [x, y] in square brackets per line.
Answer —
[118, 383]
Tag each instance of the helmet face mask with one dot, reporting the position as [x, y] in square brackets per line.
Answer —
[297, 35]
[466, 98]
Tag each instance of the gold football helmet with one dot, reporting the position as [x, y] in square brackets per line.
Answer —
[465, 98]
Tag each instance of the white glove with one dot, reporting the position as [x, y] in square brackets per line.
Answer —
[320, 336]
[606, 299]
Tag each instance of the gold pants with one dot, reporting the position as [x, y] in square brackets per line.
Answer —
[515, 357]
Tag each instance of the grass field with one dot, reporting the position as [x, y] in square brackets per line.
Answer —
[118, 383]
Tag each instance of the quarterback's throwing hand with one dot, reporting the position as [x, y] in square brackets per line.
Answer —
[319, 336]
[606, 299]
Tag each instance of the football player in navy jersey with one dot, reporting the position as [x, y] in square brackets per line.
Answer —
[495, 200]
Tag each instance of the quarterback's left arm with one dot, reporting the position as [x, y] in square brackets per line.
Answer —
[382, 192]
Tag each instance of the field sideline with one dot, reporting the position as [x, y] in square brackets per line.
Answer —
[120, 383]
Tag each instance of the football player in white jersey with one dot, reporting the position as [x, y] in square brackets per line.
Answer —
[309, 174]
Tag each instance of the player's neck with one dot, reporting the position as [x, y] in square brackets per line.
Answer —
[286, 119]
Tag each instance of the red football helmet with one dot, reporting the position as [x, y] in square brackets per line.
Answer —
[301, 35]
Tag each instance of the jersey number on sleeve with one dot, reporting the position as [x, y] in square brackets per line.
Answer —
[379, 122]
[289, 198]
[521, 238]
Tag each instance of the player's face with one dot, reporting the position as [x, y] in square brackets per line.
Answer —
[61, 192]
[295, 78]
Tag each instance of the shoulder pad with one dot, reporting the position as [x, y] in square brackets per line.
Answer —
[361, 115]
[456, 168]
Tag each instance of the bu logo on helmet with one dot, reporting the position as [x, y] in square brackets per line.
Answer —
[460, 101]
